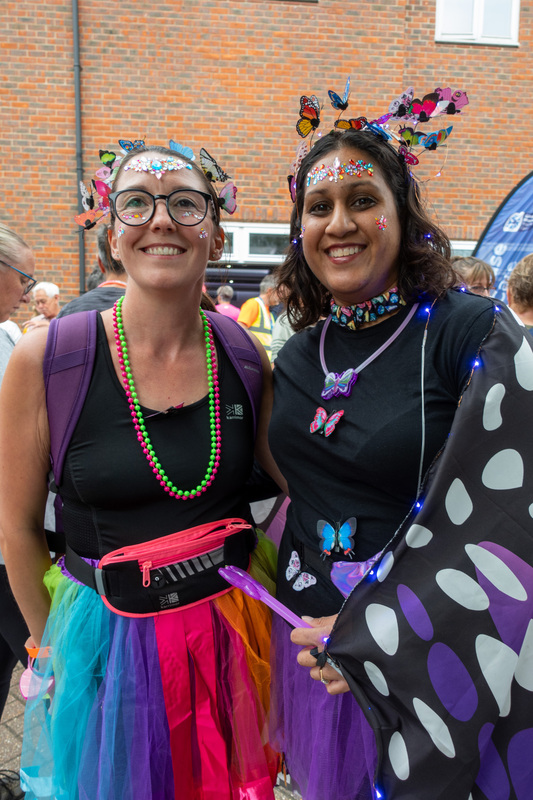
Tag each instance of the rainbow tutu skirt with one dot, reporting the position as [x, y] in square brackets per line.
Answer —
[158, 708]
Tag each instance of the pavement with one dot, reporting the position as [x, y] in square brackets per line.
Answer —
[11, 725]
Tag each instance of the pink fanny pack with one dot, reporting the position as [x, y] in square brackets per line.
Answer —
[169, 573]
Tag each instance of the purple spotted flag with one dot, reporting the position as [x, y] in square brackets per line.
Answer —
[437, 642]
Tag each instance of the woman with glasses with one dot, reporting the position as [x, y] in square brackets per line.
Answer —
[172, 704]
[477, 276]
[16, 262]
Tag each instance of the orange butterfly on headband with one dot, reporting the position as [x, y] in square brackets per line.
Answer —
[345, 124]
[309, 115]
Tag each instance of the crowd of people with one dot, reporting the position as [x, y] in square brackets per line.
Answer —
[392, 414]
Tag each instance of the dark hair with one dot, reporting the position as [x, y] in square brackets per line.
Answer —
[110, 264]
[166, 151]
[424, 261]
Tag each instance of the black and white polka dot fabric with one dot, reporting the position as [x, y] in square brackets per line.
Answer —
[437, 641]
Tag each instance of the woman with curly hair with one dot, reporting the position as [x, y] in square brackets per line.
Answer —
[377, 386]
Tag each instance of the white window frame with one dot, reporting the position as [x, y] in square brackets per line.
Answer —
[240, 253]
[476, 36]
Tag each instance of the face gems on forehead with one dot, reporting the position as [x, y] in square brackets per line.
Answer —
[338, 171]
[156, 166]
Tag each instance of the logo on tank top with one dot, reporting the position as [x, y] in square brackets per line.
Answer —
[234, 411]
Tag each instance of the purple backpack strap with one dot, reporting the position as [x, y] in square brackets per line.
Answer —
[243, 355]
[67, 368]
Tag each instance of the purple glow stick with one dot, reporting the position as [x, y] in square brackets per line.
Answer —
[237, 577]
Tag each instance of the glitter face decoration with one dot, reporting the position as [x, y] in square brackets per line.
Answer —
[121, 232]
[338, 171]
[156, 166]
[203, 233]
[381, 223]
[133, 216]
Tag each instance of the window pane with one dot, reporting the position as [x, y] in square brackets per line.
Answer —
[268, 244]
[228, 241]
[497, 18]
[457, 17]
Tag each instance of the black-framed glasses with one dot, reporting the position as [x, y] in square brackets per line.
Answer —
[30, 281]
[137, 206]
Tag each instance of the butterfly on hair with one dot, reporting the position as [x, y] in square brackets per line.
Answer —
[407, 156]
[211, 169]
[340, 103]
[309, 115]
[323, 423]
[227, 198]
[300, 580]
[129, 146]
[301, 152]
[182, 149]
[94, 208]
[400, 107]
[338, 538]
[456, 100]
[430, 141]
[109, 161]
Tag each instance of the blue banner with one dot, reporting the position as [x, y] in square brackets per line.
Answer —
[508, 236]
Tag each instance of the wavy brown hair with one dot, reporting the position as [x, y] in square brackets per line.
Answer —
[424, 261]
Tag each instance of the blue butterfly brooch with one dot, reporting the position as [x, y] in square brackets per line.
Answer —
[336, 538]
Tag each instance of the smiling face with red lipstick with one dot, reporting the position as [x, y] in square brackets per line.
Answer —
[353, 256]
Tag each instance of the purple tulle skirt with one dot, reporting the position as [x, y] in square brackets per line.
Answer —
[329, 746]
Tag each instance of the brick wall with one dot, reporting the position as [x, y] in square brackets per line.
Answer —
[228, 76]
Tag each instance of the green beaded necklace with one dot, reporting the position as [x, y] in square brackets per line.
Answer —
[138, 419]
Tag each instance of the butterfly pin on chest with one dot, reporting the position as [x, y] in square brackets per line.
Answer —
[341, 384]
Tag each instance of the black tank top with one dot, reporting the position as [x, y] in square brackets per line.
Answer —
[111, 497]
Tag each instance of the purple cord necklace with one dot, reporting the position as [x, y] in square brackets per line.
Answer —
[341, 384]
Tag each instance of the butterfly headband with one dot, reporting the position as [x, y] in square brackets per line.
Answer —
[405, 112]
[95, 197]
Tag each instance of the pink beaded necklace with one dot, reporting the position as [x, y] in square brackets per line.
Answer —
[138, 419]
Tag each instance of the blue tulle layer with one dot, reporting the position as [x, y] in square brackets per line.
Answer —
[102, 662]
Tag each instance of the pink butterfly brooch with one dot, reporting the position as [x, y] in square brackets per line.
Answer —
[324, 424]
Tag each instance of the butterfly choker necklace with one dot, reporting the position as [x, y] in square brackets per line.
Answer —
[354, 316]
[341, 384]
